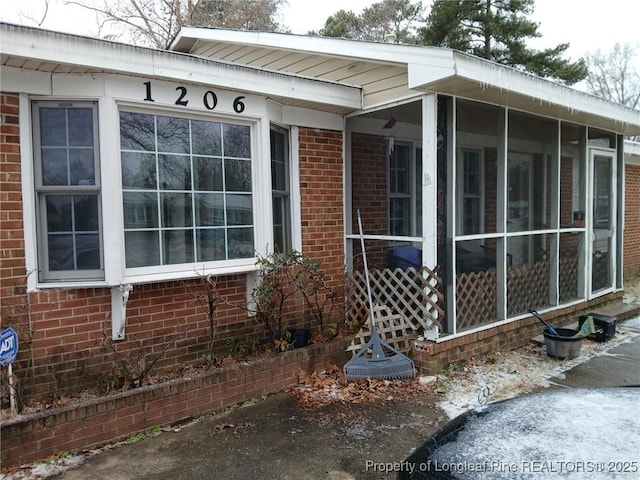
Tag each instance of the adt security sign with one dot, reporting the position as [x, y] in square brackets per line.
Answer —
[8, 346]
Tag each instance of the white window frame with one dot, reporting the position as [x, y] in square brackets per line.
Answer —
[190, 269]
[411, 196]
[285, 195]
[461, 193]
[41, 192]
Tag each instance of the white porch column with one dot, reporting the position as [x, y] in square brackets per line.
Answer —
[429, 180]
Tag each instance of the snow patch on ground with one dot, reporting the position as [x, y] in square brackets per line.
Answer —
[549, 435]
[500, 376]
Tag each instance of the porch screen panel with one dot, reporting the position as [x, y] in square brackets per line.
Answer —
[528, 273]
[571, 266]
[187, 190]
[478, 136]
[476, 167]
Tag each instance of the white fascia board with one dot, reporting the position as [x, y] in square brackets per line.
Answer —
[303, 117]
[437, 69]
[108, 56]
[632, 152]
[498, 76]
[335, 47]
[16, 80]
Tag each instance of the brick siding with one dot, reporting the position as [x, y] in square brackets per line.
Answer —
[65, 334]
[632, 222]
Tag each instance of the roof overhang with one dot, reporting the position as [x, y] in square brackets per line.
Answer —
[632, 152]
[478, 79]
[428, 69]
[32, 49]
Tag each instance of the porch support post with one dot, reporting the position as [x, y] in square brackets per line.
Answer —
[429, 180]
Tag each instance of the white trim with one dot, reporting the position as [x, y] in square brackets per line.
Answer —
[28, 195]
[296, 197]
[429, 180]
[105, 56]
[305, 117]
[632, 152]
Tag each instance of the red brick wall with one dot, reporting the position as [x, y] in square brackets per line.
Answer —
[632, 222]
[321, 191]
[64, 334]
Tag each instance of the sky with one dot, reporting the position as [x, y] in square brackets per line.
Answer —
[587, 25]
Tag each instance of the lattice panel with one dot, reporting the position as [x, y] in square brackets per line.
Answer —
[413, 294]
[476, 296]
[568, 281]
[527, 287]
[391, 328]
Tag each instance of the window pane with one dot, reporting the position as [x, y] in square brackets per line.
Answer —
[54, 166]
[210, 244]
[87, 251]
[70, 223]
[60, 249]
[206, 138]
[237, 174]
[278, 161]
[137, 131]
[178, 246]
[174, 172]
[208, 174]
[53, 127]
[191, 188]
[240, 242]
[59, 213]
[86, 213]
[236, 141]
[399, 216]
[81, 167]
[140, 210]
[80, 127]
[138, 170]
[173, 134]
[142, 249]
[176, 209]
[239, 210]
[209, 209]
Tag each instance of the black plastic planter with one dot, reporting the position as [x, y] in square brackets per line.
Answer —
[563, 345]
[299, 337]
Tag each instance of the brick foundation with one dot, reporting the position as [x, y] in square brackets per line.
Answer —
[432, 357]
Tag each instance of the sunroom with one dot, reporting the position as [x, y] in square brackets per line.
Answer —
[484, 192]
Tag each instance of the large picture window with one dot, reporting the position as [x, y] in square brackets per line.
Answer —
[68, 191]
[187, 190]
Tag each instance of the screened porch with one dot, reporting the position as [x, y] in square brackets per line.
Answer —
[497, 210]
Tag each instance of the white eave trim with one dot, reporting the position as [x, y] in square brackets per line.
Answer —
[386, 53]
[493, 75]
[632, 152]
[58, 48]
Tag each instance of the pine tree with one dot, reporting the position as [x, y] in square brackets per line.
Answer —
[498, 30]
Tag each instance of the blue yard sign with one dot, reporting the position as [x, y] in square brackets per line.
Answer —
[8, 346]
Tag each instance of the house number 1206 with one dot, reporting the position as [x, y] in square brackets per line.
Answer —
[209, 99]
